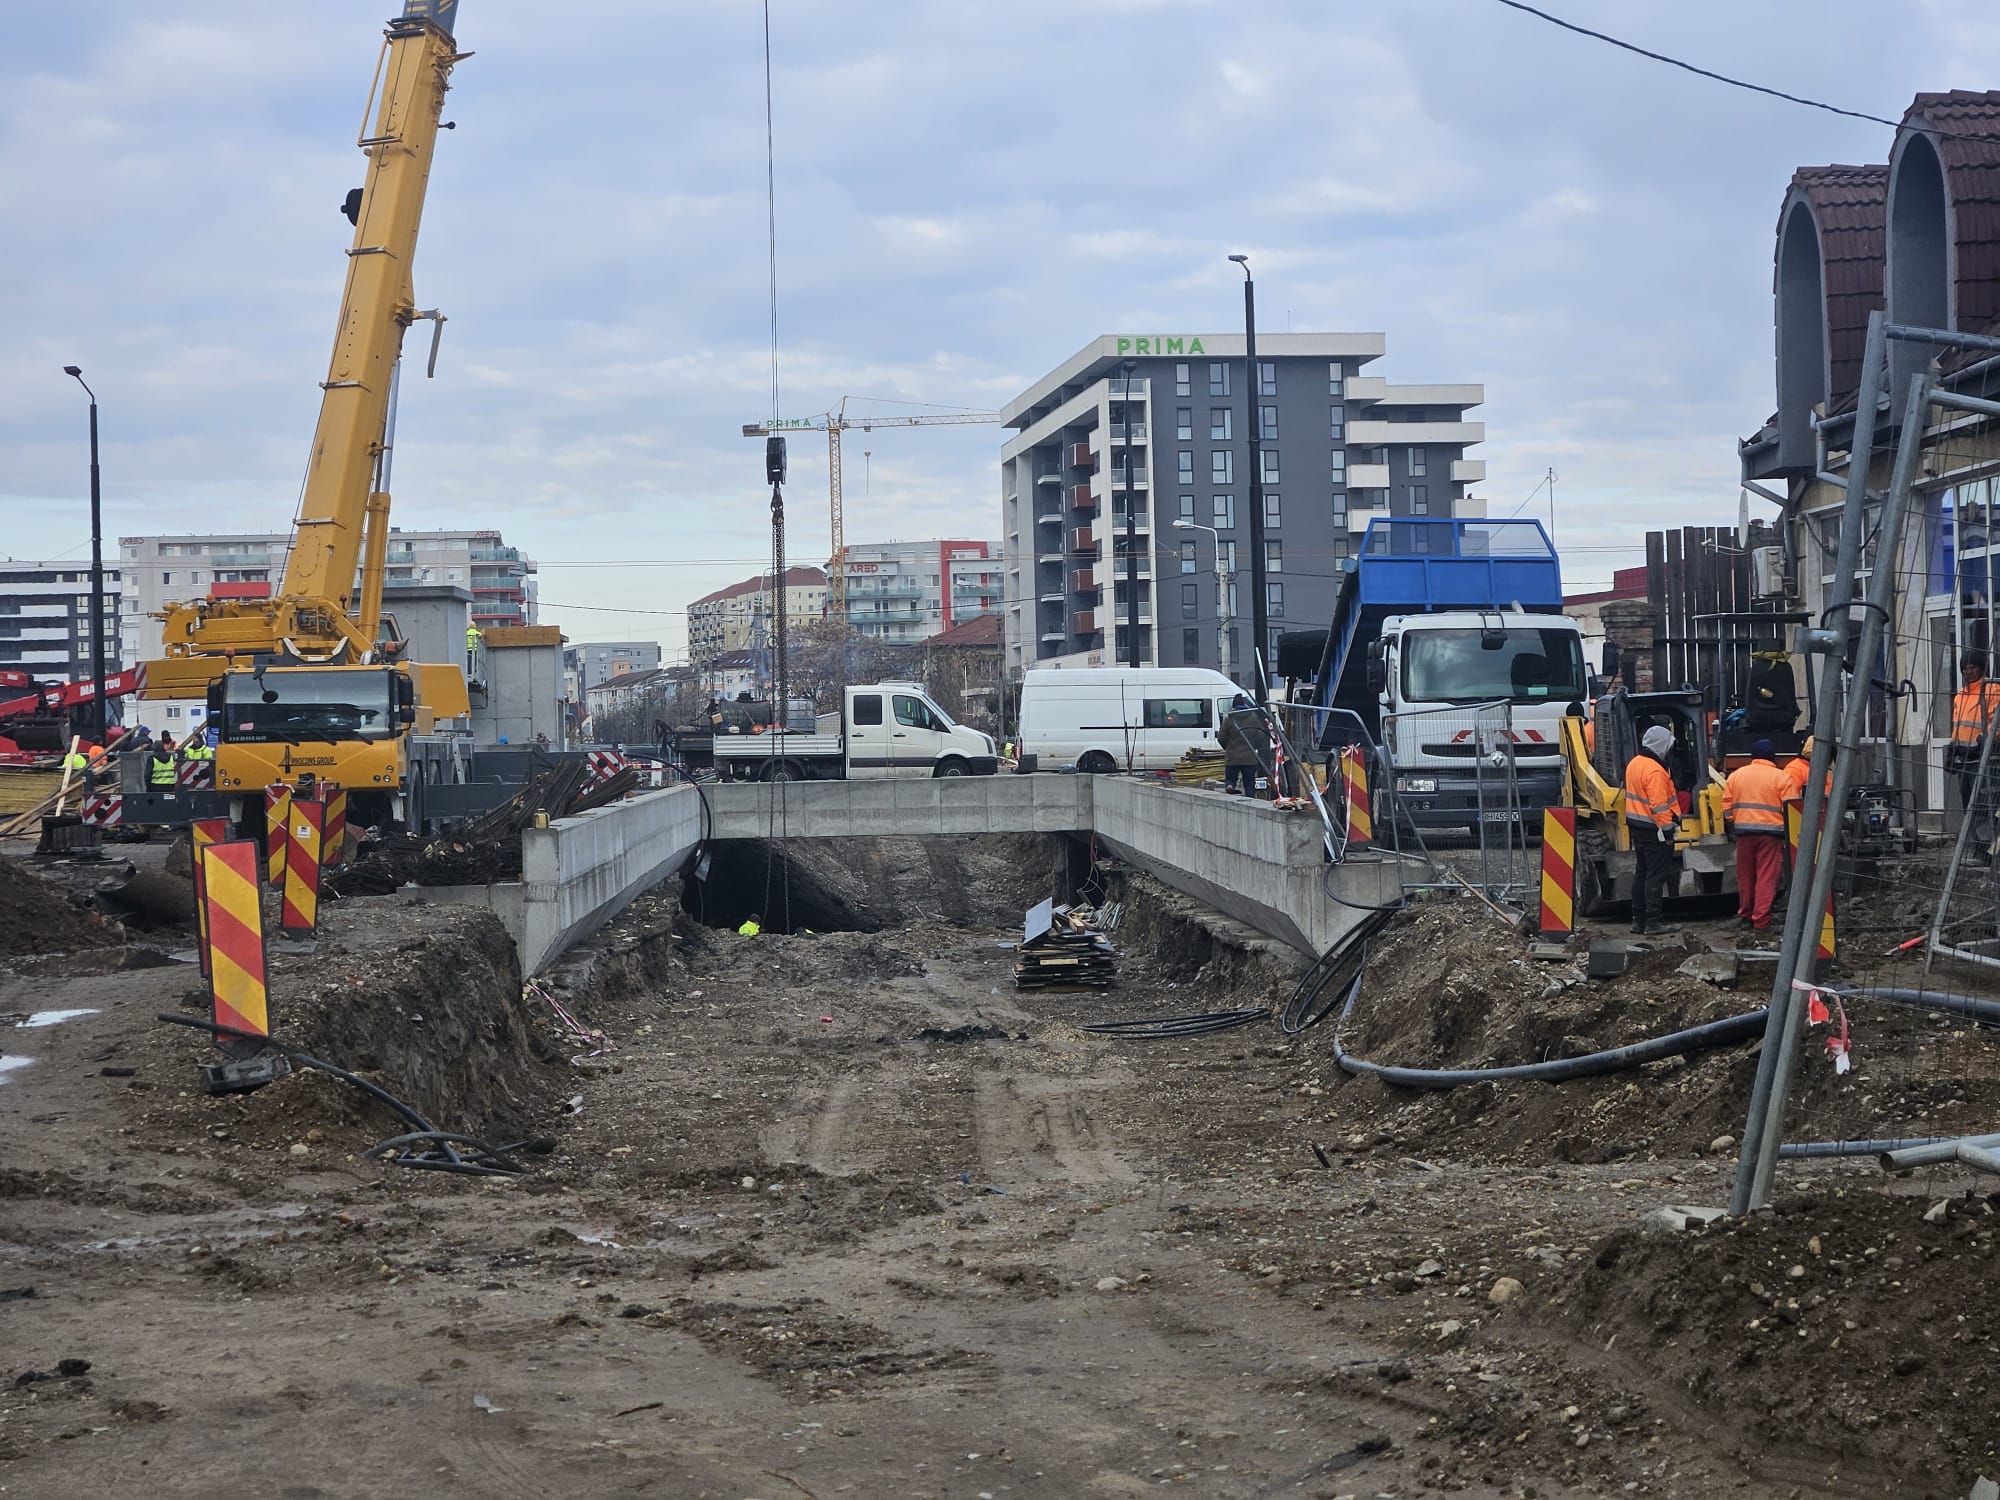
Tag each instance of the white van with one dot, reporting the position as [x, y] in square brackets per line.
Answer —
[1101, 719]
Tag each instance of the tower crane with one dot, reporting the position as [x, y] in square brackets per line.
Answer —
[834, 423]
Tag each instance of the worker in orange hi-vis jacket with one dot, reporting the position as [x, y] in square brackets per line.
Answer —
[1972, 713]
[1753, 805]
[1652, 810]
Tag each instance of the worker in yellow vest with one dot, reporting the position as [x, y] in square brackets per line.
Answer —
[472, 640]
[750, 927]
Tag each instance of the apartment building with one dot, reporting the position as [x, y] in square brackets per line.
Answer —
[45, 619]
[1162, 422]
[903, 592]
[163, 570]
[739, 617]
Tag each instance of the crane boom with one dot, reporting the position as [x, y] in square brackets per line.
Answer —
[833, 423]
[342, 519]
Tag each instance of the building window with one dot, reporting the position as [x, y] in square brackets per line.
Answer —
[1187, 557]
[1267, 424]
[1274, 600]
[1343, 545]
[1225, 512]
[1222, 466]
[1271, 508]
[1340, 505]
[1267, 378]
[1187, 508]
[1190, 602]
[1339, 469]
[1420, 538]
[166, 580]
[1218, 379]
[1227, 563]
[1218, 424]
[1416, 463]
[1420, 500]
[1184, 423]
[1184, 466]
[1335, 378]
[1338, 423]
[1180, 380]
[1268, 457]
[1191, 647]
[1274, 557]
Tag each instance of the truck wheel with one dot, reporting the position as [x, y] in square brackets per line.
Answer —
[784, 770]
[952, 767]
[1096, 763]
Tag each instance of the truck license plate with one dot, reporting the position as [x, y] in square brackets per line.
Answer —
[1500, 817]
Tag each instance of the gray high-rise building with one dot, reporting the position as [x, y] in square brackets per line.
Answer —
[1163, 419]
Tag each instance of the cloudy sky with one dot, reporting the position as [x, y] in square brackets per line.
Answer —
[966, 193]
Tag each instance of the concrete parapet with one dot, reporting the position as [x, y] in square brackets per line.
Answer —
[899, 807]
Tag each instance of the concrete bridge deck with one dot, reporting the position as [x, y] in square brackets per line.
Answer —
[1264, 867]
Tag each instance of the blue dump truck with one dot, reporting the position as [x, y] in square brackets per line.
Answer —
[1435, 619]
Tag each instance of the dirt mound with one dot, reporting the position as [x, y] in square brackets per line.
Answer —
[37, 917]
[1852, 1322]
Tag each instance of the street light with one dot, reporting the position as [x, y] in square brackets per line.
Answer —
[75, 372]
[1225, 616]
[1259, 625]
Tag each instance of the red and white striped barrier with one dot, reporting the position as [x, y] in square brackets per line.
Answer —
[604, 764]
[196, 775]
[105, 811]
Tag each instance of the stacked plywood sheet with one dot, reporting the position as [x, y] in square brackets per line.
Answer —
[1060, 947]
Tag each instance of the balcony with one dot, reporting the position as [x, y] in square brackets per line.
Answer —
[1128, 432]
[1468, 471]
[1357, 520]
[1373, 434]
[1115, 568]
[1049, 478]
[1056, 596]
[1120, 386]
[1080, 496]
[1084, 622]
[1049, 515]
[240, 560]
[1367, 477]
[1366, 387]
[1083, 581]
[1082, 543]
[1080, 456]
[1124, 479]
[1057, 636]
[496, 554]
[882, 616]
[887, 591]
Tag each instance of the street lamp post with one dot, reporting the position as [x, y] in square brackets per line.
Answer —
[96, 566]
[1225, 617]
[1131, 536]
[1259, 625]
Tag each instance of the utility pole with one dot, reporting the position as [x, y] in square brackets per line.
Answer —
[96, 567]
[1260, 630]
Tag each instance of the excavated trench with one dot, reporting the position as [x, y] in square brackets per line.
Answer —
[869, 884]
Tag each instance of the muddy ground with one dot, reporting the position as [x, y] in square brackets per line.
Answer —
[782, 1248]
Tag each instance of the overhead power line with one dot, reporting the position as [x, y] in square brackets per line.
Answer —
[1735, 83]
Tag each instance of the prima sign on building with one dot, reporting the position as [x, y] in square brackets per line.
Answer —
[1157, 345]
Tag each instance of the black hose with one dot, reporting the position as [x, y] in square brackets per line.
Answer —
[487, 1159]
[1166, 1028]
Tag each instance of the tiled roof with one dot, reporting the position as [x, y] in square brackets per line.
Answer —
[1967, 137]
[1849, 208]
[980, 630]
[795, 578]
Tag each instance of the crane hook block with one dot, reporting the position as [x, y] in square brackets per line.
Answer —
[351, 206]
[774, 459]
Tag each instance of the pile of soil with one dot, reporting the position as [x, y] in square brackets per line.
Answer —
[1448, 987]
[37, 917]
[1849, 1322]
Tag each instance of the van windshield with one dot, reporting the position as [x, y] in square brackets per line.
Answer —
[1521, 665]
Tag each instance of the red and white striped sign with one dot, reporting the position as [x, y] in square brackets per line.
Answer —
[604, 764]
[196, 774]
[105, 811]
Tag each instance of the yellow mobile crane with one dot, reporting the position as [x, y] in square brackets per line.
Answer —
[313, 679]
